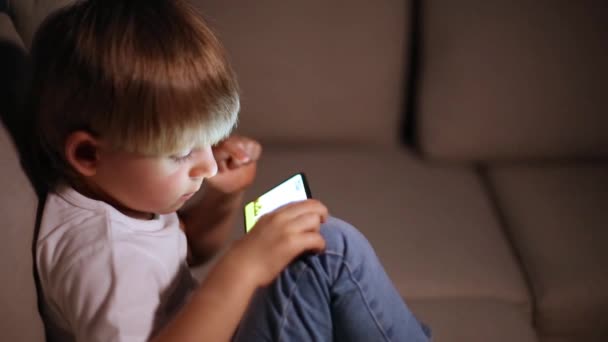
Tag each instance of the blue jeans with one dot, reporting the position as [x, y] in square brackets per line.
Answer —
[342, 294]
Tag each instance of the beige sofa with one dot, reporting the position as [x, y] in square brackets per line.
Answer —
[468, 140]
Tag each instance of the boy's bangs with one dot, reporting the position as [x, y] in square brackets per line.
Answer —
[174, 125]
[201, 131]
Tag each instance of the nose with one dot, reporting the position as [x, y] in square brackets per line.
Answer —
[205, 165]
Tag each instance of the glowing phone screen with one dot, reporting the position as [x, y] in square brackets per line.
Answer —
[291, 190]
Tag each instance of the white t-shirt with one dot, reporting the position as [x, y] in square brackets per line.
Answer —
[105, 276]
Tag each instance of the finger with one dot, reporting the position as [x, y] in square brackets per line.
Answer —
[222, 165]
[235, 164]
[244, 166]
[294, 209]
[253, 149]
[220, 153]
[315, 242]
[308, 222]
[248, 145]
[235, 149]
[282, 216]
[306, 242]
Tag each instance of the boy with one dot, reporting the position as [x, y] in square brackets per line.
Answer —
[134, 104]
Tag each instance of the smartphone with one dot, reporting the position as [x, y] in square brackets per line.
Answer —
[294, 188]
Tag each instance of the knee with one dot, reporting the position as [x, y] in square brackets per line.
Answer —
[346, 250]
[341, 237]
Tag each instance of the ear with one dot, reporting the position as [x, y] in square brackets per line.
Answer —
[82, 152]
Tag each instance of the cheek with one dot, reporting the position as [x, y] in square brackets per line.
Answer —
[173, 183]
[163, 183]
[148, 185]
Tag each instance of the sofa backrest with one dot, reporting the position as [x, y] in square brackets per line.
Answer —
[19, 319]
[504, 79]
[317, 71]
[310, 71]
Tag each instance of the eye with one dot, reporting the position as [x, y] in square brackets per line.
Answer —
[182, 157]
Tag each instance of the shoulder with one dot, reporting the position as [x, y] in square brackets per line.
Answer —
[76, 232]
[69, 232]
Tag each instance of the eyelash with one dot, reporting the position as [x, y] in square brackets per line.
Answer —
[182, 159]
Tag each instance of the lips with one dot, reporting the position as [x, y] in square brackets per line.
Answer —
[188, 195]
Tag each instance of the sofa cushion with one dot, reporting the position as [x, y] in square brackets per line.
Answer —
[316, 70]
[557, 217]
[432, 227]
[474, 320]
[507, 79]
[573, 338]
[19, 318]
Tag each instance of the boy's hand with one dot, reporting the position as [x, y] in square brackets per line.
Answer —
[236, 158]
[209, 219]
[278, 238]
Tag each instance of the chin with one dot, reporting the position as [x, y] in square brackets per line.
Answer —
[171, 209]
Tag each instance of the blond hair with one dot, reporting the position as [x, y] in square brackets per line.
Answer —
[146, 76]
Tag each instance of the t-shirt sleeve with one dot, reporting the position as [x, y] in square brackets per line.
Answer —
[111, 294]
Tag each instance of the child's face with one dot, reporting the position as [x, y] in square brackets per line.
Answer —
[158, 185]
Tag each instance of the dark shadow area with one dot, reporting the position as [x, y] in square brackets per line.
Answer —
[14, 69]
[39, 211]
[15, 76]
[13, 84]
[409, 123]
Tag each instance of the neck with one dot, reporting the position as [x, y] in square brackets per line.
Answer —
[94, 192]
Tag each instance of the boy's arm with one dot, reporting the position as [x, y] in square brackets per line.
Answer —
[208, 224]
[215, 309]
